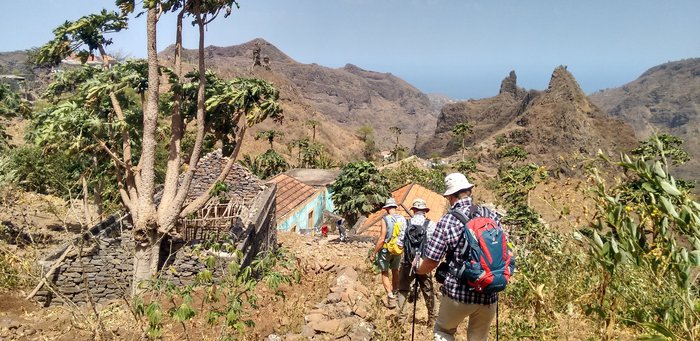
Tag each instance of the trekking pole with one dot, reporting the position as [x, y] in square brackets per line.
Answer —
[415, 301]
[496, 320]
[415, 294]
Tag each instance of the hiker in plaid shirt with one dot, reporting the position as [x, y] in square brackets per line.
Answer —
[458, 300]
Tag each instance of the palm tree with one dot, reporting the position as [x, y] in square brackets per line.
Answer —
[398, 149]
[269, 135]
[462, 130]
[396, 131]
[313, 124]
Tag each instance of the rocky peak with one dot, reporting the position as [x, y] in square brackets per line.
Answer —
[563, 88]
[509, 86]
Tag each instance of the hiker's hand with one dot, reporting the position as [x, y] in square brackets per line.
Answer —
[371, 257]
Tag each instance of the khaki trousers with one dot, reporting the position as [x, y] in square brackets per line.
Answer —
[452, 313]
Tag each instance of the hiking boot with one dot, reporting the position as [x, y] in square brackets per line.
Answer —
[391, 302]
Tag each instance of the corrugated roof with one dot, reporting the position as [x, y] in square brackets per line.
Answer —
[290, 193]
[404, 196]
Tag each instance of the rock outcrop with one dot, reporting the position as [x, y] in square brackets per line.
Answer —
[547, 124]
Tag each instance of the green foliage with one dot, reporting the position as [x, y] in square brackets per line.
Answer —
[11, 105]
[32, 169]
[512, 154]
[647, 224]
[514, 186]
[461, 131]
[501, 140]
[228, 301]
[466, 166]
[270, 136]
[311, 154]
[265, 165]
[407, 172]
[662, 146]
[359, 189]
[365, 133]
[544, 285]
[82, 36]
[220, 188]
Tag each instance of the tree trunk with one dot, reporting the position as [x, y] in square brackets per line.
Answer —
[146, 257]
[145, 226]
[150, 122]
[170, 185]
[97, 191]
[86, 202]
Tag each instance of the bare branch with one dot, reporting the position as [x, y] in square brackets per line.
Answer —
[177, 124]
[111, 154]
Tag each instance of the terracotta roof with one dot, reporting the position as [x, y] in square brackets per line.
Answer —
[314, 177]
[290, 193]
[404, 196]
[242, 184]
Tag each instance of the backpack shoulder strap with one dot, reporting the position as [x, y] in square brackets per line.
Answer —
[389, 220]
[469, 242]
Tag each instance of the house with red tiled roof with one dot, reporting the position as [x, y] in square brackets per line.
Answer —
[302, 198]
[404, 197]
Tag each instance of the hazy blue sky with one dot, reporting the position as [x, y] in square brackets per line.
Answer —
[462, 48]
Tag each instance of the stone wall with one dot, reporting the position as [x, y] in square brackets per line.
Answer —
[106, 264]
[105, 267]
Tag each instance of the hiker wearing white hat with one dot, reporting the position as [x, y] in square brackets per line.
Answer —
[416, 234]
[389, 261]
[459, 300]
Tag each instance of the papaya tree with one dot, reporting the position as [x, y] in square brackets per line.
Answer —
[245, 102]
[270, 136]
[461, 131]
[312, 124]
[358, 190]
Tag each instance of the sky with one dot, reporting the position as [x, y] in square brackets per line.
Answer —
[460, 48]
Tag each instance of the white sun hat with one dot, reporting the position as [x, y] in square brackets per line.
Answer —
[419, 204]
[456, 182]
[391, 202]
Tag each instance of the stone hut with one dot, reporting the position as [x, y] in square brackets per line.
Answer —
[100, 267]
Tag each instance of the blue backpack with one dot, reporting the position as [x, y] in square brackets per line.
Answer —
[488, 263]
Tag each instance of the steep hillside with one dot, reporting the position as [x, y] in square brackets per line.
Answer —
[343, 99]
[664, 98]
[551, 123]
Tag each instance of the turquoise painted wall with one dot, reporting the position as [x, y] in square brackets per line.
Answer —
[320, 202]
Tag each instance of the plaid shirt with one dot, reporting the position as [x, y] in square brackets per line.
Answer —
[448, 239]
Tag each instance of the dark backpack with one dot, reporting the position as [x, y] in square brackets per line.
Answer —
[414, 238]
[488, 261]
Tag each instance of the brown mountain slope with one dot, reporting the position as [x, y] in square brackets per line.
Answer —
[665, 98]
[559, 121]
[342, 99]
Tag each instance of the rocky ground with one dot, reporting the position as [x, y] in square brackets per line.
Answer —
[338, 298]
